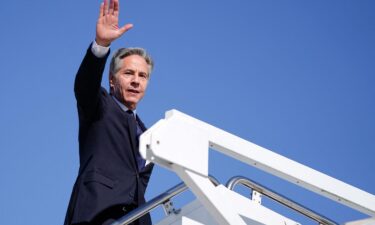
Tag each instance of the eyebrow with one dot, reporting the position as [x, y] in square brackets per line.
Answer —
[140, 72]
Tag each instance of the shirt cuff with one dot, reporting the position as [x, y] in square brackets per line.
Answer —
[99, 51]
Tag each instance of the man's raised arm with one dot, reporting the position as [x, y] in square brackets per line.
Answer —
[88, 79]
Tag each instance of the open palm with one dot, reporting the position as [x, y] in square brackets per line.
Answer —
[107, 29]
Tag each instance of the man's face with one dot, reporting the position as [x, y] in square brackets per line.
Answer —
[130, 82]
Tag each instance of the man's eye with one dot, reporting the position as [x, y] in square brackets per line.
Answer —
[143, 75]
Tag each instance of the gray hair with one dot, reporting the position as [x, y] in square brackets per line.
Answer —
[124, 52]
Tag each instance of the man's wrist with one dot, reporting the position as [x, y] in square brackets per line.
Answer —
[102, 42]
[99, 50]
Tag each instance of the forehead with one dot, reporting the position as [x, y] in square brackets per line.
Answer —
[134, 62]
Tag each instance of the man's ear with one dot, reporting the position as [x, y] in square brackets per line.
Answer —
[111, 77]
[111, 83]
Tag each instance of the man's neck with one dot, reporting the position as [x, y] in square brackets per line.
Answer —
[122, 105]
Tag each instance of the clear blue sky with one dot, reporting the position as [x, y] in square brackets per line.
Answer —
[296, 77]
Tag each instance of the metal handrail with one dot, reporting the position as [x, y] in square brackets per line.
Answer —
[155, 202]
[181, 187]
[279, 198]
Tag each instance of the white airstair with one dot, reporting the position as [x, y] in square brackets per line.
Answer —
[181, 143]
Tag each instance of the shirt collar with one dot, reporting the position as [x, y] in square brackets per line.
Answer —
[123, 107]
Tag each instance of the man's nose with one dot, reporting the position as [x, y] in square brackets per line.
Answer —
[135, 79]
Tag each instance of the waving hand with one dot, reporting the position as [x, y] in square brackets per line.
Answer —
[107, 29]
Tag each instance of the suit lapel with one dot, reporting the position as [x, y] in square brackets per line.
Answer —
[140, 123]
[133, 136]
[150, 165]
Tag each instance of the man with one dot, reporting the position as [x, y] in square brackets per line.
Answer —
[112, 176]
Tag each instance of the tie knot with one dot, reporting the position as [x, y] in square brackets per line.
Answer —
[130, 112]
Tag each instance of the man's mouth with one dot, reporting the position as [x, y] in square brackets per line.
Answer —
[133, 91]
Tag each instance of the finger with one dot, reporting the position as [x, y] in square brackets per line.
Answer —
[116, 7]
[111, 7]
[125, 28]
[101, 13]
[105, 7]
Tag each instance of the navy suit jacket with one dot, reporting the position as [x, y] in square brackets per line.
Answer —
[109, 182]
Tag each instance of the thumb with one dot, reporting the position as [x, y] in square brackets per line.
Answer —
[125, 28]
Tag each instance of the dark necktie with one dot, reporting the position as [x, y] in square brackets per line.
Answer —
[140, 161]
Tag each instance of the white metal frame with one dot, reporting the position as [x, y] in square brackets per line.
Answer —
[181, 143]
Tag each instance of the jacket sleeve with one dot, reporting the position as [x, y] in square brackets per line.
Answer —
[88, 82]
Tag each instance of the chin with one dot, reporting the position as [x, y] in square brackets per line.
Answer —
[131, 103]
